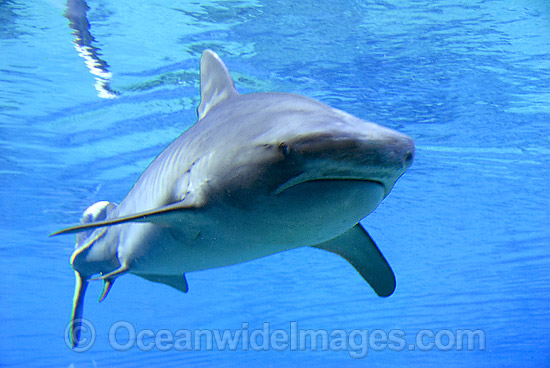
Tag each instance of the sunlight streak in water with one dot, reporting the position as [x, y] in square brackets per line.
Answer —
[83, 42]
[102, 75]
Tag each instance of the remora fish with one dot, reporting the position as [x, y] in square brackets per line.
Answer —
[257, 174]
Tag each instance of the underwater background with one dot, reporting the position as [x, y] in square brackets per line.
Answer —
[91, 93]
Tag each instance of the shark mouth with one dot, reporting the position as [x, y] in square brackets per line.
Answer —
[303, 178]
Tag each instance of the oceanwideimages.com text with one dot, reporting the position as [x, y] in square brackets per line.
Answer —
[123, 336]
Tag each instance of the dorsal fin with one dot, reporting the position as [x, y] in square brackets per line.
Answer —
[216, 82]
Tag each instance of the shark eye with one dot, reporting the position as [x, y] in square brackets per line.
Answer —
[283, 147]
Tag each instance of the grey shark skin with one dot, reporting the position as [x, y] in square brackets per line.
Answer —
[257, 174]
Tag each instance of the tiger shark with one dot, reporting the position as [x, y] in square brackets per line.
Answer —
[256, 174]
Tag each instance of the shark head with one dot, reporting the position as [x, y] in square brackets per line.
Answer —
[320, 143]
[292, 162]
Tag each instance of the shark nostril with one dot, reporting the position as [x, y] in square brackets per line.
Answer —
[409, 158]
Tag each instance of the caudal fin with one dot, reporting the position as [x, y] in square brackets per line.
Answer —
[78, 308]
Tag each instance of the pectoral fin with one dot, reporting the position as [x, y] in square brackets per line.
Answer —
[162, 215]
[177, 282]
[358, 248]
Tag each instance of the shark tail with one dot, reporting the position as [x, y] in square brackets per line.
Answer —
[78, 307]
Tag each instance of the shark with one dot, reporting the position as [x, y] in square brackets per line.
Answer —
[257, 174]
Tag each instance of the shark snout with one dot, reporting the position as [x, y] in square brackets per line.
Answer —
[384, 148]
[402, 148]
[365, 151]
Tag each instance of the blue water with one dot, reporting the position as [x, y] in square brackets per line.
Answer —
[466, 229]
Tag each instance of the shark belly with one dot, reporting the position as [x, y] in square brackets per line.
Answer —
[169, 251]
[248, 233]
